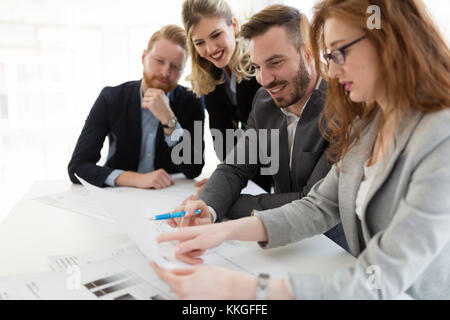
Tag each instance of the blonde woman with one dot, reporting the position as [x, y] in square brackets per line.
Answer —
[388, 117]
[221, 70]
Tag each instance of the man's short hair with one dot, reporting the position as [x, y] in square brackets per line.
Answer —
[170, 32]
[295, 23]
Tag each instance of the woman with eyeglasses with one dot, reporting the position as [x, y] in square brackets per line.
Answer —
[388, 121]
[221, 69]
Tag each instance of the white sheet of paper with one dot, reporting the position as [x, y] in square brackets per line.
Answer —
[124, 277]
[122, 272]
[62, 262]
[77, 200]
[131, 209]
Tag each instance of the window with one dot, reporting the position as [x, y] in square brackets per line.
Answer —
[56, 56]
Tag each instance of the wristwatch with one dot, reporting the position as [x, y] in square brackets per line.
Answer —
[172, 123]
[262, 290]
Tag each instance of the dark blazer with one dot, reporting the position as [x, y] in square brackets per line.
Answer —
[309, 163]
[117, 114]
[222, 114]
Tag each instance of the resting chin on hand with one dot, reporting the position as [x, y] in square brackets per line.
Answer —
[157, 102]
[158, 179]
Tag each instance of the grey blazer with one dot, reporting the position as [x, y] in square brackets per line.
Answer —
[309, 163]
[405, 231]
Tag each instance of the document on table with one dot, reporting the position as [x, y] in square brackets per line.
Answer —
[63, 262]
[123, 273]
[231, 254]
[78, 199]
[132, 208]
[132, 211]
[123, 277]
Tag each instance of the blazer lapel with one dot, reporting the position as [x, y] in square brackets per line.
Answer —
[401, 137]
[134, 123]
[352, 172]
[303, 133]
[284, 170]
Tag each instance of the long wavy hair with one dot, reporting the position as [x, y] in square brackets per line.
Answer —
[201, 78]
[414, 60]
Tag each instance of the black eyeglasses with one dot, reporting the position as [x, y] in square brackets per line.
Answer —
[338, 55]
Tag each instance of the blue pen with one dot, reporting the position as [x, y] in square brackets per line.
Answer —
[168, 216]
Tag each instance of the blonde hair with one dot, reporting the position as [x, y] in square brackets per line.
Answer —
[414, 60]
[170, 32]
[201, 78]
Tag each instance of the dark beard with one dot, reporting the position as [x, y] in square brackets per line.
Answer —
[300, 83]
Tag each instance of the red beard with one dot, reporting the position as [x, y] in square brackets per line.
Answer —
[166, 85]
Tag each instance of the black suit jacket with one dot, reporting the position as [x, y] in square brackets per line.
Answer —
[222, 114]
[309, 163]
[117, 114]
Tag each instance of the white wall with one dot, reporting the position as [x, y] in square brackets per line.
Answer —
[439, 9]
[56, 56]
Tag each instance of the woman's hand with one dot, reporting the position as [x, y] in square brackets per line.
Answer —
[194, 241]
[190, 219]
[208, 283]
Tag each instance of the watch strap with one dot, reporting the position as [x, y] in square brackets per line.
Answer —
[172, 123]
[262, 289]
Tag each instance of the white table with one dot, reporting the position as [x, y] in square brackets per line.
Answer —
[34, 231]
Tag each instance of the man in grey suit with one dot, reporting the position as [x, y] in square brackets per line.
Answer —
[290, 102]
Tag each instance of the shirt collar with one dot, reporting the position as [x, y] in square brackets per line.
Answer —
[290, 114]
[319, 82]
